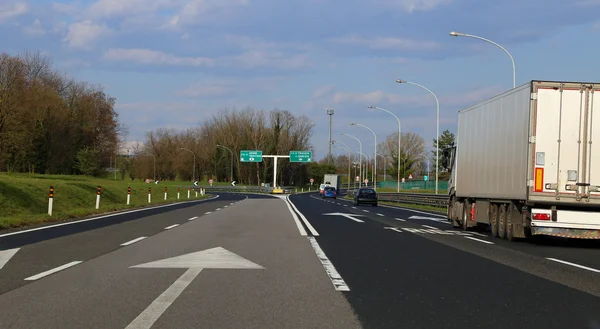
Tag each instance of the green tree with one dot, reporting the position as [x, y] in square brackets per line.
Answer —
[446, 139]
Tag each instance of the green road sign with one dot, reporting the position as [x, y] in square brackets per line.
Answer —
[250, 156]
[425, 178]
[300, 156]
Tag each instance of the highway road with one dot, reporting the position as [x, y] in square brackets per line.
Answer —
[258, 261]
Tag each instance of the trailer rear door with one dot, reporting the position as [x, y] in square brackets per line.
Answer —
[566, 155]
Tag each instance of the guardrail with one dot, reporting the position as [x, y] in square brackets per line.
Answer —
[426, 199]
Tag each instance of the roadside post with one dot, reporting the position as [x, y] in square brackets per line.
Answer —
[51, 201]
[98, 198]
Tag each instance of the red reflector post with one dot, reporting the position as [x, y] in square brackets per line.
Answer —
[541, 216]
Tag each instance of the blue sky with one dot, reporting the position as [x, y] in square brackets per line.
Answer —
[171, 63]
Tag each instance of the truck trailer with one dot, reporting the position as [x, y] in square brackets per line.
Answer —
[525, 164]
[333, 180]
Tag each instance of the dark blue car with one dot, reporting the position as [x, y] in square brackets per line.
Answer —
[329, 192]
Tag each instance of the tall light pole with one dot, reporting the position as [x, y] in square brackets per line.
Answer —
[359, 158]
[347, 149]
[399, 139]
[227, 148]
[330, 113]
[460, 34]
[375, 153]
[193, 169]
[437, 138]
[384, 164]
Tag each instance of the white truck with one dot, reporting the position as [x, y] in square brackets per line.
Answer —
[333, 180]
[526, 163]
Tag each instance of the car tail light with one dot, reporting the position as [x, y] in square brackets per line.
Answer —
[541, 216]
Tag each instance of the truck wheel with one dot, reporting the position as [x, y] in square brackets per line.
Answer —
[509, 228]
[466, 213]
[502, 222]
[494, 220]
[451, 208]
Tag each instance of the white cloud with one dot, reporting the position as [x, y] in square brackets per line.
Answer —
[119, 8]
[35, 29]
[257, 59]
[81, 35]
[411, 6]
[11, 10]
[153, 57]
[386, 43]
[230, 87]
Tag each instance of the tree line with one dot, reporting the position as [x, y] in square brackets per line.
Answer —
[53, 124]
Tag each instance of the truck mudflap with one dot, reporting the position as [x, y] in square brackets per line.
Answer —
[572, 233]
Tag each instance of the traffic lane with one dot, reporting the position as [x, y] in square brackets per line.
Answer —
[575, 251]
[472, 242]
[401, 279]
[49, 254]
[20, 237]
[292, 289]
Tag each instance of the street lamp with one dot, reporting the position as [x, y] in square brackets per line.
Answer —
[360, 151]
[375, 157]
[384, 164]
[399, 139]
[437, 151]
[227, 148]
[194, 168]
[347, 149]
[459, 34]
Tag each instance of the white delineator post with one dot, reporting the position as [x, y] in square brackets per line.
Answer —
[128, 195]
[51, 201]
[149, 194]
[188, 192]
[196, 192]
[178, 192]
[165, 193]
[98, 198]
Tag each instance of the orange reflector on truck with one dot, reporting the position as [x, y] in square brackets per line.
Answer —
[539, 180]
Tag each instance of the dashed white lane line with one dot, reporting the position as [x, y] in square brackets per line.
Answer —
[54, 270]
[380, 215]
[365, 210]
[225, 206]
[435, 228]
[208, 212]
[170, 227]
[573, 264]
[345, 205]
[479, 240]
[337, 280]
[353, 207]
[217, 209]
[400, 219]
[483, 235]
[193, 218]
[393, 229]
[133, 241]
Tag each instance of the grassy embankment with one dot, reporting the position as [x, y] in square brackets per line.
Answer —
[24, 197]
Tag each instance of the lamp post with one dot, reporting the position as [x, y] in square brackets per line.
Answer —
[347, 149]
[360, 151]
[460, 34]
[437, 151]
[375, 157]
[399, 139]
[330, 113]
[194, 168]
[384, 164]
[227, 148]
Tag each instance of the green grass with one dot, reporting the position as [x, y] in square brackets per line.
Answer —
[24, 197]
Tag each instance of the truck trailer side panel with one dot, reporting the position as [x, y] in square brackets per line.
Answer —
[493, 147]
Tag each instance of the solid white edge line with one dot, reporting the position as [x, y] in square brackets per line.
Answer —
[193, 218]
[338, 282]
[170, 227]
[573, 264]
[133, 241]
[310, 227]
[54, 270]
[105, 216]
[435, 228]
[472, 238]
[400, 219]
[296, 220]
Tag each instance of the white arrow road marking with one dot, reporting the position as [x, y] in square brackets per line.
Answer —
[439, 220]
[54, 270]
[6, 255]
[349, 216]
[218, 258]
[393, 229]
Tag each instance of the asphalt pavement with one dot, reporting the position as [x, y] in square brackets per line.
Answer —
[410, 269]
[237, 264]
[259, 261]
